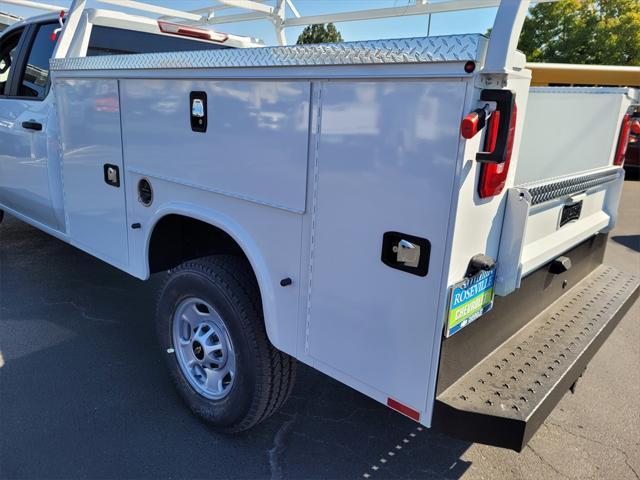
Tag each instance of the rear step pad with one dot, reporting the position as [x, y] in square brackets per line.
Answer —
[504, 399]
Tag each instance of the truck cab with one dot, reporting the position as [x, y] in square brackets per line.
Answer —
[28, 177]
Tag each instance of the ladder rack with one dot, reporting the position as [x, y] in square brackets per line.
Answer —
[503, 43]
[277, 13]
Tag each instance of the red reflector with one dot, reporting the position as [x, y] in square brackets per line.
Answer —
[493, 176]
[635, 127]
[183, 30]
[623, 140]
[470, 66]
[469, 125]
[403, 409]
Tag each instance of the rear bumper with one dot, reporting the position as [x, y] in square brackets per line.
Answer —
[508, 394]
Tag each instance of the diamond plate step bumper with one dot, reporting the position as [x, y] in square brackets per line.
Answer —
[505, 398]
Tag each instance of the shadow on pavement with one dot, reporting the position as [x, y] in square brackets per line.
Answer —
[84, 392]
[629, 241]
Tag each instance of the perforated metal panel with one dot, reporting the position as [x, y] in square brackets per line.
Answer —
[511, 390]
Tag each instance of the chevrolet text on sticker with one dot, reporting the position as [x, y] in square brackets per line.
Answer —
[470, 299]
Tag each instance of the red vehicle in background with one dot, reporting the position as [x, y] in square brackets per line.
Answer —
[632, 157]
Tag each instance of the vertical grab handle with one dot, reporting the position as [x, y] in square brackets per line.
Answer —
[505, 102]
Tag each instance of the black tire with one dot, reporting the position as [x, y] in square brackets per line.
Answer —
[264, 375]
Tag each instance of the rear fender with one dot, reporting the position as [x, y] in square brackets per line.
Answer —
[240, 236]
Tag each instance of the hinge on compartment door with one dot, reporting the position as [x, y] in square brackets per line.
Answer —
[491, 80]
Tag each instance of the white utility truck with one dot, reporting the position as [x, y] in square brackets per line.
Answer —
[406, 216]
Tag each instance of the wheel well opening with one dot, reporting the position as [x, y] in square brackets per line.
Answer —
[177, 238]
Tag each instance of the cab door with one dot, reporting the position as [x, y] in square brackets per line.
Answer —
[29, 170]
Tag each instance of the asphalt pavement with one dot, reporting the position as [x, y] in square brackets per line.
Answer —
[84, 393]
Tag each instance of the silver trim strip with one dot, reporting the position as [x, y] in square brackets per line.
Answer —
[448, 48]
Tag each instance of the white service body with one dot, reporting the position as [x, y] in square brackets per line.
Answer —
[306, 166]
[306, 176]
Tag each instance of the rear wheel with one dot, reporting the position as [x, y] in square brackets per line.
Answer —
[211, 328]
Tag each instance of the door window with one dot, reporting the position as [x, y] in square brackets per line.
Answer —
[8, 55]
[35, 77]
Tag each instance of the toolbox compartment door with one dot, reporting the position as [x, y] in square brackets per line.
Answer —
[93, 168]
[386, 160]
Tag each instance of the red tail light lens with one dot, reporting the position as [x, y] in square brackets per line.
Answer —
[493, 176]
[492, 132]
[623, 140]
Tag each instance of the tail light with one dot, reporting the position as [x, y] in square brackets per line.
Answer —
[623, 140]
[492, 133]
[185, 31]
[498, 141]
[493, 176]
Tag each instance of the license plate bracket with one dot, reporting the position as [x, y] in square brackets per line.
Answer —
[469, 300]
[570, 212]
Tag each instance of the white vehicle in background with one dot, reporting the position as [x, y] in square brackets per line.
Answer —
[406, 216]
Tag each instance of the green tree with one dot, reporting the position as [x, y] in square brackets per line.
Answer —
[583, 32]
[320, 33]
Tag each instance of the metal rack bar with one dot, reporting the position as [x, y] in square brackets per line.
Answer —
[504, 38]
